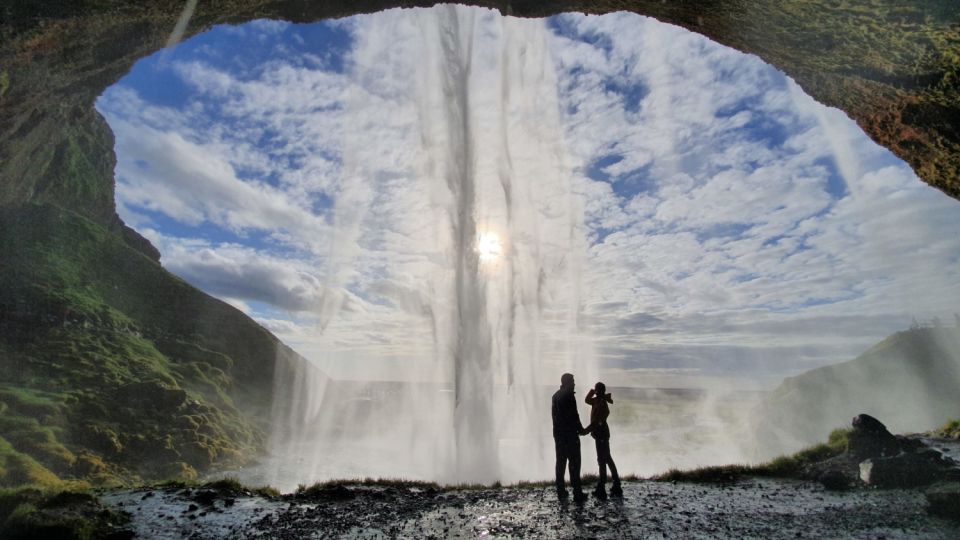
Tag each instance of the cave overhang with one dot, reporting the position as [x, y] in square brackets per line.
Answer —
[894, 69]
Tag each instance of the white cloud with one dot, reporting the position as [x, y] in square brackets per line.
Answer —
[729, 216]
[735, 228]
[192, 183]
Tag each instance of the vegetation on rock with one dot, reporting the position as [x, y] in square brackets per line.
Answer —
[76, 515]
[950, 430]
[113, 370]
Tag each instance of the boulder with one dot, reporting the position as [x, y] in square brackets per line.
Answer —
[834, 480]
[865, 422]
[903, 471]
[205, 497]
[944, 500]
[871, 439]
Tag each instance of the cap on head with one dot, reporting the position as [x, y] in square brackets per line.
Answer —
[600, 388]
[566, 379]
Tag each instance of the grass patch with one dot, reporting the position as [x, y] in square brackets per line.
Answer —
[403, 483]
[319, 487]
[17, 468]
[950, 430]
[232, 485]
[225, 486]
[782, 467]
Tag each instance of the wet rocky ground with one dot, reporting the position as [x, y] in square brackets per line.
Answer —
[749, 508]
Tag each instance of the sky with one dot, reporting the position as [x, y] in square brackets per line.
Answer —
[735, 231]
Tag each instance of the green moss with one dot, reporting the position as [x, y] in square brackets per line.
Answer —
[4, 83]
[950, 430]
[21, 511]
[68, 514]
[28, 401]
[92, 466]
[228, 483]
[402, 483]
[13, 498]
[17, 468]
[82, 374]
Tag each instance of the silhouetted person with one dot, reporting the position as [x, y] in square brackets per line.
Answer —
[567, 430]
[599, 402]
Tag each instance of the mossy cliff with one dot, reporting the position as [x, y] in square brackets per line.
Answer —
[112, 369]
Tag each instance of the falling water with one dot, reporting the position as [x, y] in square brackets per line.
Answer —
[481, 160]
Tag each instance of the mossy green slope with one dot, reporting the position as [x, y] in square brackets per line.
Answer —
[111, 368]
[908, 381]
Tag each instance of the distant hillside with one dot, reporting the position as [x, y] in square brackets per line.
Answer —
[910, 381]
[113, 369]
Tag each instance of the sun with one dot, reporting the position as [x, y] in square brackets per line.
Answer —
[489, 247]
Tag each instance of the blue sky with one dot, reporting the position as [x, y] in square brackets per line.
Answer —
[733, 228]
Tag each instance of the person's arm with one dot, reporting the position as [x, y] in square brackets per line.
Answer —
[596, 415]
[591, 397]
[593, 422]
[573, 417]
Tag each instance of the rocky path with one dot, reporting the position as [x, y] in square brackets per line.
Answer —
[752, 508]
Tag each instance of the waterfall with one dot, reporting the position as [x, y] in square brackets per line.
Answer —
[466, 206]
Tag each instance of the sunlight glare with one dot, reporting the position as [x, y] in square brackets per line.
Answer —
[489, 247]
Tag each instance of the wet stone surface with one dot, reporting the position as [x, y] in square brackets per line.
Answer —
[752, 508]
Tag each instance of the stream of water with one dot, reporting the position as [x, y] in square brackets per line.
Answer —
[481, 200]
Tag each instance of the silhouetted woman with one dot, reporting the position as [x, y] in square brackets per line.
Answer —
[599, 402]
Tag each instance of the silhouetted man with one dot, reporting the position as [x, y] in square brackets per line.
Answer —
[567, 430]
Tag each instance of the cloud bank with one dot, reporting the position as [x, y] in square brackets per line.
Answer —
[736, 229]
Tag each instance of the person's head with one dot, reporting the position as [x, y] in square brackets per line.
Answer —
[600, 388]
[566, 380]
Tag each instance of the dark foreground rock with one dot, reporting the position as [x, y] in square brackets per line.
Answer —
[834, 480]
[871, 439]
[28, 514]
[758, 508]
[944, 500]
[909, 469]
[891, 461]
